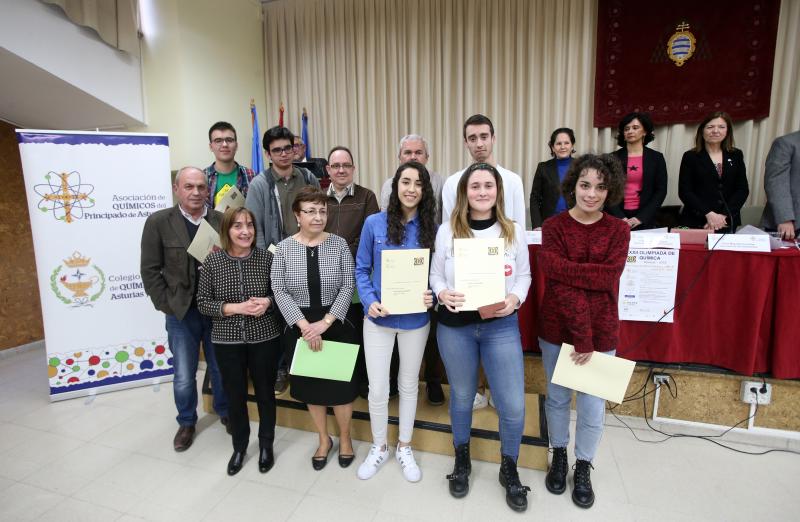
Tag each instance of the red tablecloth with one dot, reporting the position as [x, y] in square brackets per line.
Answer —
[741, 311]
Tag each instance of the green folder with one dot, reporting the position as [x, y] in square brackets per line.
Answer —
[335, 361]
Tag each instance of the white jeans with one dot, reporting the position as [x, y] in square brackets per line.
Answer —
[378, 346]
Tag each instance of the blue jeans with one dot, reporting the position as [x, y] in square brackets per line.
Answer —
[591, 410]
[497, 346]
[184, 338]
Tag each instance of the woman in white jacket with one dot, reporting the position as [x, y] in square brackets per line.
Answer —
[466, 340]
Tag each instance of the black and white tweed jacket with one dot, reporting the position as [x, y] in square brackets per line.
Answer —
[290, 277]
[226, 279]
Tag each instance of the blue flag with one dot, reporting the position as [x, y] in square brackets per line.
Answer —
[257, 158]
[304, 133]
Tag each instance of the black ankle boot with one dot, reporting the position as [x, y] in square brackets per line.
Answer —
[266, 458]
[459, 478]
[516, 493]
[556, 479]
[582, 493]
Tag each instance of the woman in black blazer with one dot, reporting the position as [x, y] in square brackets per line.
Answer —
[546, 199]
[644, 191]
[713, 179]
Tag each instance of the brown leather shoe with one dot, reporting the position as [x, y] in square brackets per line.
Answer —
[183, 439]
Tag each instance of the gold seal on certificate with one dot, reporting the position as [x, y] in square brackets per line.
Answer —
[404, 279]
[479, 270]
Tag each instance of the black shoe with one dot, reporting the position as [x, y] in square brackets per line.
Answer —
[281, 381]
[556, 479]
[459, 478]
[236, 462]
[516, 493]
[435, 393]
[582, 492]
[226, 421]
[266, 459]
[319, 462]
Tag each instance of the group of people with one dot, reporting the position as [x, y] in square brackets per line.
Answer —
[712, 183]
[298, 262]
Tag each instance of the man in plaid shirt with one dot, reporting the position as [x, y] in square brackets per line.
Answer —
[225, 173]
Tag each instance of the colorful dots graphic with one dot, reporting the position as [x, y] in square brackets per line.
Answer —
[73, 379]
[94, 360]
[54, 361]
[101, 374]
[160, 349]
[52, 371]
[129, 366]
[139, 351]
[76, 368]
[146, 365]
[70, 362]
[90, 372]
[159, 363]
[121, 356]
[106, 364]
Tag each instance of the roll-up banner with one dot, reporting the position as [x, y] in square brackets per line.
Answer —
[89, 194]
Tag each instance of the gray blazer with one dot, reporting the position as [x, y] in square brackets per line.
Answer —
[168, 271]
[782, 182]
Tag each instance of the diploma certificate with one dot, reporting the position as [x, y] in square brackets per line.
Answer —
[479, 271]
[205, 241]
[404, 279]
[232, 199]
[604, 376]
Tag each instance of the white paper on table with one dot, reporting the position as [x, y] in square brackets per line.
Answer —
[232, 199]
[205, 241]
[605, 376]
[650, 239]
[533, 237]
[739, 242]
[479, 271]
[647, 285]
[404, 280]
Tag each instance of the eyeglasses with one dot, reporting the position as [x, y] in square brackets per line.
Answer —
[281, 150]
[220, 141]
[313, 212]
[337, 166]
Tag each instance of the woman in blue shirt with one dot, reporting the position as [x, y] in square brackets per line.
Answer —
[409, 222]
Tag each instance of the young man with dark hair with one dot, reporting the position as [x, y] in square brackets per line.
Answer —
[225, 172]
[270, 199]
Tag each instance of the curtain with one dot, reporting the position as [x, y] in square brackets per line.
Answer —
[371, 71]
[115, 21]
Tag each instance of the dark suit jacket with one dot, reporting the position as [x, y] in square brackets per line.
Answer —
[699, 187]
[782, 182]
[168, 271]
[545, 191]
[654, 186]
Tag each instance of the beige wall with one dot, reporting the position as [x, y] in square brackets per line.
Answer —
[202, 62]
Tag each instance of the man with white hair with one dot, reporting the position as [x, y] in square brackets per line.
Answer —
[414, 147]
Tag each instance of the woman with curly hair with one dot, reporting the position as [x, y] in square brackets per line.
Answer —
[407, 223]
[582, 257]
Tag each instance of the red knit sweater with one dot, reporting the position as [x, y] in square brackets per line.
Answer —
[582, 265]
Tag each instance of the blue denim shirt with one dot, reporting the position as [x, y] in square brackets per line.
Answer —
[368, 269]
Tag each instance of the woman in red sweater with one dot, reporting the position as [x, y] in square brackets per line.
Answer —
[582, 257]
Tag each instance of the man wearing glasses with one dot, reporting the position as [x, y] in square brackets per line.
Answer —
[225, 173]
[271, 193]
[270, 199]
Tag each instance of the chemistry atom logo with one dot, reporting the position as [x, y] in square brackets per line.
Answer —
[86, 283]
[64, 195]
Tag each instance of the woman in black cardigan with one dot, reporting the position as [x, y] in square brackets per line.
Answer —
[546, 199]
[645, 171]
[713, 179]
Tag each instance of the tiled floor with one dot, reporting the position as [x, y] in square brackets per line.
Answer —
[111, 459]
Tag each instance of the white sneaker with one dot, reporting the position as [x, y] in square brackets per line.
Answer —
[479, 402]
[405, 457]
[375, 459]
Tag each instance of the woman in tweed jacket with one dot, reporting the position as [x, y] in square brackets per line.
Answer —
[313, 281]
[234, 289]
